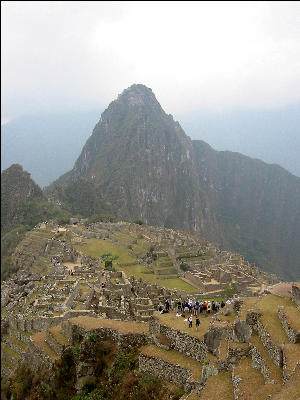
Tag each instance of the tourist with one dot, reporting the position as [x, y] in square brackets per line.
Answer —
[196, 307]
[208, 308]
[190, 321]
[222, 304]
[167, 304]
[179, 306]
[213, 307]
[197, 323]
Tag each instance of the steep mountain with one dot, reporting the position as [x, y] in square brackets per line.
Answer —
[256, 205]
[23, 205]
[140, 163]
[17, 188]
[46, 145]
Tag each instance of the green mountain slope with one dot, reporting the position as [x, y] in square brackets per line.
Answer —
[23, 205]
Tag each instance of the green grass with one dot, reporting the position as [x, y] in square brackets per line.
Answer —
[139, 271]
[253, 382]
[275, 372]
[268, 306]
[97, 247]
[174, 322]
[218, 387]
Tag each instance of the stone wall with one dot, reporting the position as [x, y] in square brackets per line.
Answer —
[161, 369]
[86, 305]
[191, 346]
[287, 374]
[259, 363]
[292, 334]
[57, 347]
[36, 359]
[274, 350]
[32, 325]
[75, 333]
[296, 294]
[236, 353]
[252, 318]
[75, 293]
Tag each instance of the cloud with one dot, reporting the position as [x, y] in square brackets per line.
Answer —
[62, 55]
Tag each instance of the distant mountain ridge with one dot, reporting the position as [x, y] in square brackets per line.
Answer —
[46, 145]
[271, 135]
[139, 163]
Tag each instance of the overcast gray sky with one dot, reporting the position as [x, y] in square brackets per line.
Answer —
[218, 55]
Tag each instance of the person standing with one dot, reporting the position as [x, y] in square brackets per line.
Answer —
[197, 323]
[191, 322]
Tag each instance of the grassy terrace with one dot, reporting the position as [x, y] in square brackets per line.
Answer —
[39, 339]
[253, 382]
[90, 323]
[18, 342]
[174, 357]
[293, 316]
[248, 302]
[218, 387]
[223, 349]
[139, 271]
[291, 390]
[8, 350]
[84, 290]
[97, 247]
[268, 306]
[57, 334]
[174, 322]
[275, 372]
[292, 355]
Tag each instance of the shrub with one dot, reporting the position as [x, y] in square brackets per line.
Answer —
[185, 267]
[138, 222]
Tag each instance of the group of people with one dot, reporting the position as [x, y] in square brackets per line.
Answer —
[192, 307]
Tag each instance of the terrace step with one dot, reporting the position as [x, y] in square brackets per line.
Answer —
[9, 355]
[217, 387]
[39, 340]
[262, 361]
[7, 367]
[20, 335]
[56, 339]
[171, 360]
[291, 389]
[249, 383]
[15, 344]
[291, 359]
[290, 320]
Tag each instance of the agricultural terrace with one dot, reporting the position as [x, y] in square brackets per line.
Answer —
[98, 247]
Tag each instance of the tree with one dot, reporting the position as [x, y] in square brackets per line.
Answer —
[108, 259]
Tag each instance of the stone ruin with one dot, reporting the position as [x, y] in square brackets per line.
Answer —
[75, 285]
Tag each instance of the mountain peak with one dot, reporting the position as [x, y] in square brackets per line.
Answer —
[137, 95]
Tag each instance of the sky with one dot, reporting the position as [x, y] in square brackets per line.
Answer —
[62, 56]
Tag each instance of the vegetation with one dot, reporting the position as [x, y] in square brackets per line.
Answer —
[115, 377]
[23, 205]
[185, 267]
[229, 291]
[100, 218]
